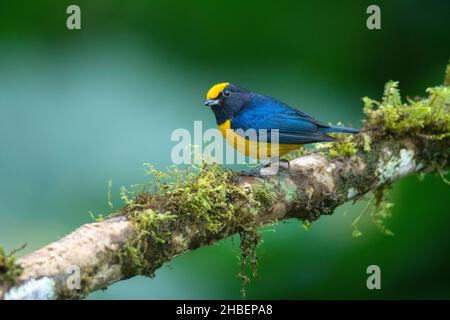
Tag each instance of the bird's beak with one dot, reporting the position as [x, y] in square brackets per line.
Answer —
[212, 102]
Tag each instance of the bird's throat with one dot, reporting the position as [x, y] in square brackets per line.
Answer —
[221, 114]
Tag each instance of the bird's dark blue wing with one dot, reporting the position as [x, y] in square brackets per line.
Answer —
[265, 114]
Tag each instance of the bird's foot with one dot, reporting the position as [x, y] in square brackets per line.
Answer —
[285, 164]
[269, 168]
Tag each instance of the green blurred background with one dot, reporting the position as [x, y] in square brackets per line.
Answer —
[78, 108]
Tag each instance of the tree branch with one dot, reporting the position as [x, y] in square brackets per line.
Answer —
[314, 185]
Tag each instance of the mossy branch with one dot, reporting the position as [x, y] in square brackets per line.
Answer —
[197, 207]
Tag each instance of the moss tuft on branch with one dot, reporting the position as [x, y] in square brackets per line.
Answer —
[428, 117]
[9, 269]
[200, 203]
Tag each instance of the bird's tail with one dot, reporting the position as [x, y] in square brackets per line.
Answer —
[339, 129]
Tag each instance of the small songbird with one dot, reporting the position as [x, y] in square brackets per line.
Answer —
[237, 108]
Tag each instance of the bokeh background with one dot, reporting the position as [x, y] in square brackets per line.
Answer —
[78, 108]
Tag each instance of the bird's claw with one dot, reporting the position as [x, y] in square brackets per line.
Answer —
[268, 169]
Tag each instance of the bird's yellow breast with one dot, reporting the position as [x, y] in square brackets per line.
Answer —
[254, 149]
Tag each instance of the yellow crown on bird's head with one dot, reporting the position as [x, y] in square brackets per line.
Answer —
[215, 90]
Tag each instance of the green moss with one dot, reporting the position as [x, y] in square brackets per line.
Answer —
[307, 225]
[382, 210]
[9, 269]
[426, 118]
[250, 240]
[109, 195]
[297, 153]
[443, 177]
[429, 116]
[190, 207]
[447, 76]
[150, 238]
[344, 146]
[367, 142]
[378, 209]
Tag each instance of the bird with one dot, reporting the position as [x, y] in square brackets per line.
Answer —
[238, 111]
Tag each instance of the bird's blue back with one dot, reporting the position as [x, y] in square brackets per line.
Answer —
[295, 126]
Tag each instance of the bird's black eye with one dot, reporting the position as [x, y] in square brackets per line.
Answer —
[226, 93]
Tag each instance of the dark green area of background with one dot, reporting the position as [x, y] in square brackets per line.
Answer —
[78, 108]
